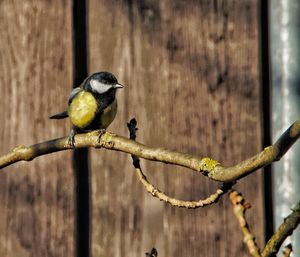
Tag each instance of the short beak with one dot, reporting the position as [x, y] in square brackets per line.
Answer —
[118, 86]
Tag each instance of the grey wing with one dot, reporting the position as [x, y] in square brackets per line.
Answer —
[74, 92]
[64, 114]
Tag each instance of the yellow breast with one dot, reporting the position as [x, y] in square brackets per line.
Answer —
[82, 109]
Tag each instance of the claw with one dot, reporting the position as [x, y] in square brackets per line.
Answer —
[71, 140]
[101, 132]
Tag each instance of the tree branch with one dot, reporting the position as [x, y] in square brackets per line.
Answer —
[285, 229]
[239, 208]
[267, 156]
[207, 166]
[213, 198]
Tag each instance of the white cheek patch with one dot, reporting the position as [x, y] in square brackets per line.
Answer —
[99, 87]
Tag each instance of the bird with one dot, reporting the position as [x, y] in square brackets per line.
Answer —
[92, 105]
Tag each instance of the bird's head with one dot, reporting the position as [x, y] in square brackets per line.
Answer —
[101, 83]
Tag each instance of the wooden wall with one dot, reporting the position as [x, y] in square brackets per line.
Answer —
[191, 71]
[36, 198]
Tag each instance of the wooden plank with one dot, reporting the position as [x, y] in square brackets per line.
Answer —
[36, 198]
[192, 76]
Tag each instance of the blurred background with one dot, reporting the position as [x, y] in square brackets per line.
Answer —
[197, 76]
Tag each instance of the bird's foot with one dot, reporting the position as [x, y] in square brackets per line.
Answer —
[71, 140]
[100, 132]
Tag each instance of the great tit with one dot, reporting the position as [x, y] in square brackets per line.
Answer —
[92, 105]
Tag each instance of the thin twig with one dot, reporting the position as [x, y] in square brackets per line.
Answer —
[285, 229]
[207, 166]
[239, 208]
[152, 253]
[213, 198]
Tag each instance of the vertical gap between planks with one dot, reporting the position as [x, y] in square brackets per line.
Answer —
[81, 156]
[266, 108]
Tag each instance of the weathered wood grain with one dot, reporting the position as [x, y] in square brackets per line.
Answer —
[37, 198]
[192, 75]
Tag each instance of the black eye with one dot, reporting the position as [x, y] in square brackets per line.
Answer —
[103, 81]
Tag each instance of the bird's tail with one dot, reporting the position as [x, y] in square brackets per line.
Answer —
[60, 115]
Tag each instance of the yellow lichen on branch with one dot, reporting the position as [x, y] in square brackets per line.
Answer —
[207, 166]
[213, 198]
[267, 156]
